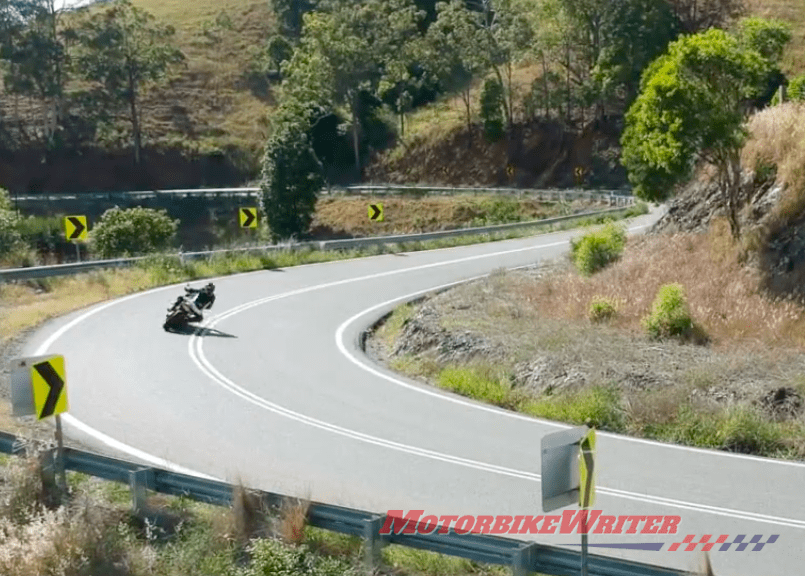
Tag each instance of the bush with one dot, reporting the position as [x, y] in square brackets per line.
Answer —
[10, 238]
[669, 315]
[597, 249]
[601, 309]
[796, 88]
[132, 231]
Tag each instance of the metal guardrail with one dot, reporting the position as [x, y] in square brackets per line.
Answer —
[523, 557]
[34, 272]
[616, 197]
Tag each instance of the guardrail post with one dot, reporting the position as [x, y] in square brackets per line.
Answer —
[373, 542]
[140, 480]
[523, 559]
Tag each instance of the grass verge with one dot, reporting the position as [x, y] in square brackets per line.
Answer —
[95, 532]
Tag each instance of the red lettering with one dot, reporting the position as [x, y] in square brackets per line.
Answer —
[446, 525]
[618, 529]
[604, 525]
[396, 521]
[547, 527]
[669, 524]
[501, 525]
[466, 523]
[530, 525]
[571, 519]
[635, 520]
[516, 524]
[648, 527]
[428, 526]
[482, 524]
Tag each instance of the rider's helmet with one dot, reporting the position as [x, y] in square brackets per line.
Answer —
[210, 288]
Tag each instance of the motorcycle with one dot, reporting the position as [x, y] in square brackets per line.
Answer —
[180, 314]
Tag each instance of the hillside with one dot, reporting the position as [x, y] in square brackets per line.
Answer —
[208, 126]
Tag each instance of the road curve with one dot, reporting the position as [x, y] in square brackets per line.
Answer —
[278, 394]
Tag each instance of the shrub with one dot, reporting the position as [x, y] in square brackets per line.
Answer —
[601, 309]
[597, 249]
[132, 231]
[10, 237]
[669, 315]
[796, 88]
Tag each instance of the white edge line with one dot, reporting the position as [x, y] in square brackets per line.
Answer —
[339, 337]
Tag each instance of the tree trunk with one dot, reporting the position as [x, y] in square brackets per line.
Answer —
[135, 122]
[545, 84]
[355, 142]
[730, 183]
[465, 95]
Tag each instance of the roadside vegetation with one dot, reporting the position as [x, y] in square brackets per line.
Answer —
[94, 531]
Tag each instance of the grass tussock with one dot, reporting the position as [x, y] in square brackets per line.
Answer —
[777, 145]
[602, 309]
[722, 295]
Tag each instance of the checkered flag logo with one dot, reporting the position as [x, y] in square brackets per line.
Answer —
[707, 545]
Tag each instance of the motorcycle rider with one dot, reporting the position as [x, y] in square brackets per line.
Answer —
[204, 299]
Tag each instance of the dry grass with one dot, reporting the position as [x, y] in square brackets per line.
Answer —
[293, 517]
[348, 216]
[777, 138]
[22, 307]
[723, 295]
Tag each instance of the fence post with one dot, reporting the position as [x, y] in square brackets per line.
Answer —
[373, 542]
[140, 480]
[523, 559]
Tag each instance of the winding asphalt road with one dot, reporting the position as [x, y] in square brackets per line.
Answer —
[278, 394]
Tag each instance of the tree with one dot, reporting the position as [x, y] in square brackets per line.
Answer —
[692, 105]
[36, 51]
[455, 51]
[355, 43]
[634, 32]
[292, 174]
[492, 101]
[699, 15]
[508, 35]
[123, 50]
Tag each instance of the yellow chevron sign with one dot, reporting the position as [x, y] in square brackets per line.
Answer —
[75, 227]
[248, 217]
[49, 384]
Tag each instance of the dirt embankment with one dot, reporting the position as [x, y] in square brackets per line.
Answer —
[542, 154]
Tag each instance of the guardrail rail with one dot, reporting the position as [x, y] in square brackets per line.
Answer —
[34, 272]
[523, 557]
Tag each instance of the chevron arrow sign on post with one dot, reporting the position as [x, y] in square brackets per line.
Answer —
[248, 217]
[75, 227]
[376, 212]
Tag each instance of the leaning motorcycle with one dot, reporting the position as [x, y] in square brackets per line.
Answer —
[180, 314]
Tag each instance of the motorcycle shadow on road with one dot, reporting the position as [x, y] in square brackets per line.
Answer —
[189, 330]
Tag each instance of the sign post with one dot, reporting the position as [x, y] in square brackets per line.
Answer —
[75, 230]
[39, 388]
[586, 489]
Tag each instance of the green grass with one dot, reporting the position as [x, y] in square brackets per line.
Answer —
[737, 429]
[479, 383]
[597, 406]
